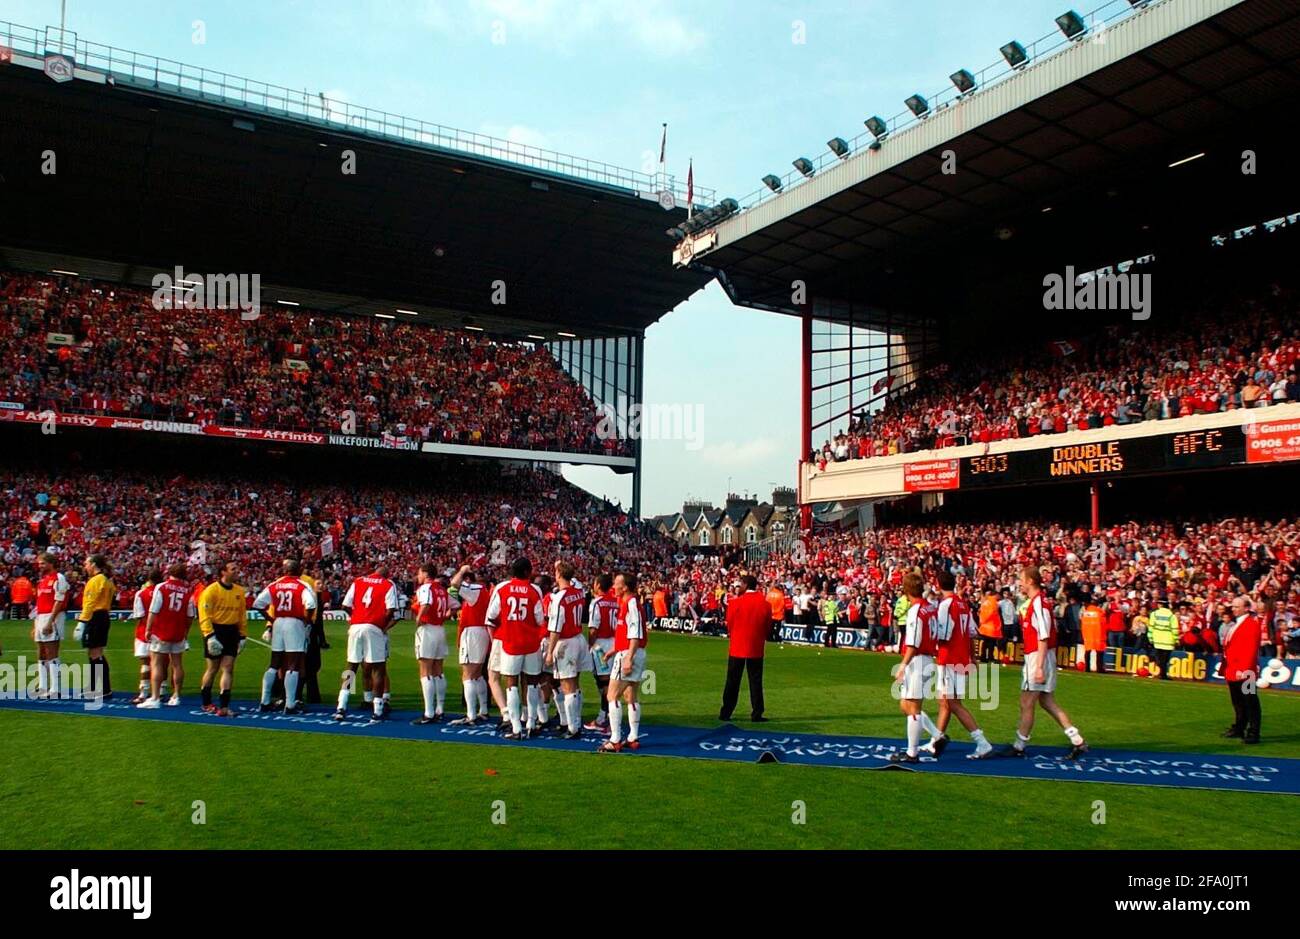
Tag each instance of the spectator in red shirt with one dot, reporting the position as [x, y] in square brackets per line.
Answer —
[749, 621]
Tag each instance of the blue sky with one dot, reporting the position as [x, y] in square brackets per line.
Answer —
[597, 79]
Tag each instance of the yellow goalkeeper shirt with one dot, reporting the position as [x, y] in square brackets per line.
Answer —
[220, 605]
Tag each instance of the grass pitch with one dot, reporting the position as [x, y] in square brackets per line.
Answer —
[74, 782]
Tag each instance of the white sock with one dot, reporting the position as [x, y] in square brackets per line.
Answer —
[574, 704]
[1021, 740]
[512, 708]
[440, 692]
[291, 688]
[54, 665]
[388, 696]
[144, 680]
[634, 720]
[268, 682]
[616, 721]
[561, 711]
[426, 686]
[1076, 738]
[379, 707]
[346, 689]
[543, 708]
[42, 677]
[469, 686]
[929, 726]
[534, 705]
[913, 734]
[368, 697]
[480, 685]
[978, 736]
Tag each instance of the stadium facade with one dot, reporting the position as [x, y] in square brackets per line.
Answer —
[926, 241]
[119, 166]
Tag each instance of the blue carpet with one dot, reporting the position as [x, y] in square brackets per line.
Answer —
[1245, 772]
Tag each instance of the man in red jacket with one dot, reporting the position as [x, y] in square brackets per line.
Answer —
[1241, 670]
[749, 621]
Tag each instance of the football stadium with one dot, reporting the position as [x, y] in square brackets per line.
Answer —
[297, 398]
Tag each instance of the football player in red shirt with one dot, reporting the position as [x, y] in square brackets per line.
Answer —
[566, 648]
[473, 643]
[372, 601]
[140, 612]
[628, 668]
[432, 607]
[52, 596]
[916, 672]
[515, 612]
[1038, 683]
[601, 616]
[294, 605]
[955, 631]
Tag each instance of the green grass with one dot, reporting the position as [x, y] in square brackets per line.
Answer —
[73, 782]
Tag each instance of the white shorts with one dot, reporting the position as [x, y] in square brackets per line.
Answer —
[951, 681]
[166, 648]
[288, 635]
[602, 650]
[572, 657]
[141, 648]
[638, 667]
[367, 643]
[1049, 672]
[430, 642]
[474, 645]
[918, 679]
[494, 658]
[49, 628]
[529, 664]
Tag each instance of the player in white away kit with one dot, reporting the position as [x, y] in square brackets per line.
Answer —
[1038, 683]
[373, 601]
[567, 653]
[432, 606]
[628, 667]
[473, 643]
[954, 630]
[916, 675]
[292, 604]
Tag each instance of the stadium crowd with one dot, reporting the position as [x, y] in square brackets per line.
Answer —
[138, 520]
[78, 346]
[1126, 572]
[1244, 358]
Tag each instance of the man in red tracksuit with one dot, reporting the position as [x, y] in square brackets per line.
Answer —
[749, 622]
[1241, 640]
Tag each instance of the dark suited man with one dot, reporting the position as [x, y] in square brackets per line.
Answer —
[749, 621]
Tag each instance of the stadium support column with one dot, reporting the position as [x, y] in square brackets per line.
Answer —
[805, 411]
[1096, 507]
[638, 345]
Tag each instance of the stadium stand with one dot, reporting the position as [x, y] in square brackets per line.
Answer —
[1242, 355]
[76, 346]
[465, 514]
[1128, 569]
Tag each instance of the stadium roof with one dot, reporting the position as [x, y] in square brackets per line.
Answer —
[160, 164]
[1095, 118]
